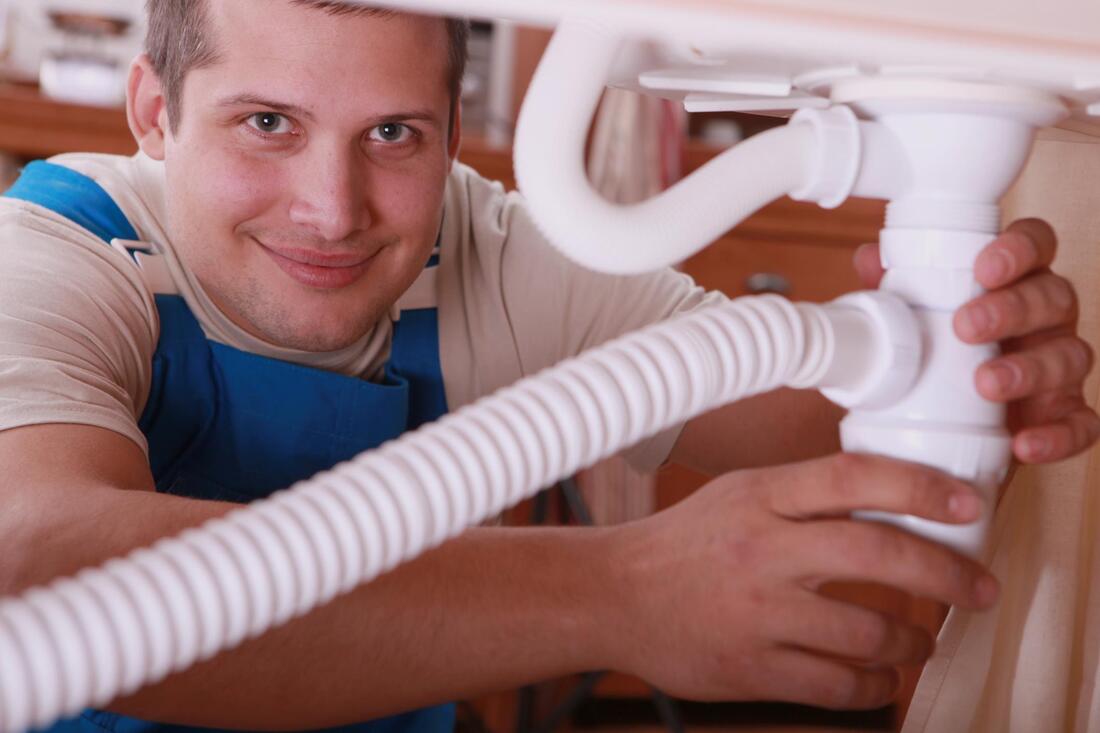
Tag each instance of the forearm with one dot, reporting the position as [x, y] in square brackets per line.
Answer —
[491, 610]
[779, 427]
[48, 530]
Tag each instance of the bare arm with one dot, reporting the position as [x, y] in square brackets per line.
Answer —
[708, 600]
[490, 610]
[767, 430]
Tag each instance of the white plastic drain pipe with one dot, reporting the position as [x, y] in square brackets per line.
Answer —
[943, 151]
[669, 228]
[86, 640]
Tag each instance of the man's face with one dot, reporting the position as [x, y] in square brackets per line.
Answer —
[305, 179]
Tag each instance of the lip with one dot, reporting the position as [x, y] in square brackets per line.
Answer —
[322, 270]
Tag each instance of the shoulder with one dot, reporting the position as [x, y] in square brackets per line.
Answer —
[48, 258]
[135, 183]
[77, 326]
[485, 224]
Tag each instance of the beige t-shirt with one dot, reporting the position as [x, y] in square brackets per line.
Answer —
[78, 322]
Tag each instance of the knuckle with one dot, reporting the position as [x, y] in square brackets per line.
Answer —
[958, 575]
[1061, 294]
[840, 690]
[842, 468]
[1026, 249]
[871, 637]
[1030, 370]
[864, 547]
[1037, 236]
[1060, 405]
[1013, 305]
[927, 492]
[1064, 365]
[845, 463]
[892, 547]
[766, 495]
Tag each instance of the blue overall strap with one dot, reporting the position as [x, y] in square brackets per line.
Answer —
[414, 355]
[74, 196]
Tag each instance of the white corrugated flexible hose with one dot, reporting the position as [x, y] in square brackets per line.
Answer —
[85, 640]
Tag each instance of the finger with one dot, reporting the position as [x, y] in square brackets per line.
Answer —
[1060, 363]
[864, 551]
[848, 482]
[1063, 438]
[794, 675]
[1026, 246]
[868, 263]
[840, 629]
[1044, 408]
[1042, 301]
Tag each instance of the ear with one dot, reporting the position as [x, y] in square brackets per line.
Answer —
[145, 108]
[455, 139]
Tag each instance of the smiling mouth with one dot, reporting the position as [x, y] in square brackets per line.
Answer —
[320, 270]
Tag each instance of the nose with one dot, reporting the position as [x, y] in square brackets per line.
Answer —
[329, 197]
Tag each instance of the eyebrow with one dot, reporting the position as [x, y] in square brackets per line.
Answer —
[292, 109]
[422, 115]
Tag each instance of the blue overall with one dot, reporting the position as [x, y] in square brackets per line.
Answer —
[228, 425]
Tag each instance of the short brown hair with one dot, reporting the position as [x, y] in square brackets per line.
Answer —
[177, 42]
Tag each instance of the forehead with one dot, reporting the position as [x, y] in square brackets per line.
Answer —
[275, 47]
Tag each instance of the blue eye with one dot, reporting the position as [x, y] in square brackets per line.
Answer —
[270, 123]
[391, 132]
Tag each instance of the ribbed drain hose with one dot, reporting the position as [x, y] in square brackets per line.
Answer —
[85, 640]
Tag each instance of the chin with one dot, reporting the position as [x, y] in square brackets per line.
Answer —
[305, 321]
[332, 329]
[306, 338]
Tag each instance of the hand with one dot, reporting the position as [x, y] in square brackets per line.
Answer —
[720, 591]
[1033, 313]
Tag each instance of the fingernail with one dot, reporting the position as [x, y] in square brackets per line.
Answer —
[964, 506]
[1006, 375]
[997, 267]
[986, 590]
[976, 321]
[1037, 447]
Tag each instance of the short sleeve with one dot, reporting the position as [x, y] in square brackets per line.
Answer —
[78, 328]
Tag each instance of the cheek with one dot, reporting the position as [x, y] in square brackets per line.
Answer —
[410, 200]
[213, 195]
[239, 188]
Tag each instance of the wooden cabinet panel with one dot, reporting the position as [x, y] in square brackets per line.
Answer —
[32, 126]
[811, 271]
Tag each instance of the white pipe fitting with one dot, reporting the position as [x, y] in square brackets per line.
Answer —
[837, 156]
[666, 229]
[85, 640]
[942, 421]
[944, 152]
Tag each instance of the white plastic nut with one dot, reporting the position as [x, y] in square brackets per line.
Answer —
[837, 155]
[895, 354]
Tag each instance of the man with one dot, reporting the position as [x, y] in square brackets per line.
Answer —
[287, 306]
